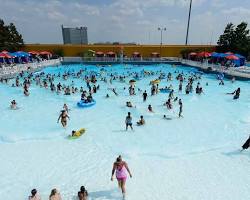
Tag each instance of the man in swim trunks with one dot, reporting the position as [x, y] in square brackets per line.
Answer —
[121, 169]
[63, 116]
[128, 121]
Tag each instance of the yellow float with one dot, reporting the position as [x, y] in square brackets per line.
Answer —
[156, 81]
[77, 134]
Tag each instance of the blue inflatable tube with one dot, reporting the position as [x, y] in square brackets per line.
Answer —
[165, 90]
[82, 104]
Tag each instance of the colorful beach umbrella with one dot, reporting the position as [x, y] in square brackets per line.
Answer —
[204, 54]
[232, 57]
[45, 53]
[155, 54]
[5, 55]
[34, 52]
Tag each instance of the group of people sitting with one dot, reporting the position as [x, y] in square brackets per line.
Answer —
[86, 98]
[55, 194]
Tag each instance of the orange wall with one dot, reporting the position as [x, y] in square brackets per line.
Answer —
[145, 50]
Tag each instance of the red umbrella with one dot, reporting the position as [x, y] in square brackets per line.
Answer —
[204, 54]
[229, 52]
[136, 54]
[45, 53]
[99, 53]
[110, 54]
[34, 52]
[5, 55]
[4, 52]
[232, 57]
[155, 54]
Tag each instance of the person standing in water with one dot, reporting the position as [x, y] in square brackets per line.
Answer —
[128, 121]
[144, 95]
[120, 167]
[63, 116]
[180, 109]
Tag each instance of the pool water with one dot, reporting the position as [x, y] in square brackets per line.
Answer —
[195, 157]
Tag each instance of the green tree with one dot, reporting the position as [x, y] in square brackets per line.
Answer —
[227, 38]
[10, 38]
[235, 39]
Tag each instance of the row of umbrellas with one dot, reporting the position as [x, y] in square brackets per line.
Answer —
[227, 55]
[6, 54]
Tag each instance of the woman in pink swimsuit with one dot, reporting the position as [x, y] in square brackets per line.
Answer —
[121, 169]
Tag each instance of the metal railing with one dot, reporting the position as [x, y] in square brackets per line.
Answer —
[11, 70]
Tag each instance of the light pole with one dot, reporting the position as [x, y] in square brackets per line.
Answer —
[161, 29]
[189, 14]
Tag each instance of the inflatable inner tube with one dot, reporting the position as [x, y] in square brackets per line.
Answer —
[82, 104]
[165, 90]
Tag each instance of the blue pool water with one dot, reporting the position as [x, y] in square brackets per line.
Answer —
[177, 151]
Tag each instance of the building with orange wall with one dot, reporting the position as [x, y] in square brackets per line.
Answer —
[144, 50]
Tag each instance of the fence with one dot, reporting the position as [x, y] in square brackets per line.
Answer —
[12, 70]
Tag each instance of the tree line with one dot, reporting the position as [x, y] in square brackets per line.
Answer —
[10, 38]
[235, 39]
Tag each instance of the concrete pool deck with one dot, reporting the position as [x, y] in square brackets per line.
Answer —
[239, 73]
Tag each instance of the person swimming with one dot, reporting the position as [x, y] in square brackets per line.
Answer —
[141, 121]
[121, 168]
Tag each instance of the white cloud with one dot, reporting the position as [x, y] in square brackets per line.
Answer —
[124, 20]
[87, 9]
[240, 11]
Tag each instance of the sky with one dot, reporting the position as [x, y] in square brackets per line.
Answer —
[39, 21]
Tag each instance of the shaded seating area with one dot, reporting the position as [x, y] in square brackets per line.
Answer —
[155, 56]
[227, 59]
[136, 56]
[110, 56]
[99, 55]
[21, 57]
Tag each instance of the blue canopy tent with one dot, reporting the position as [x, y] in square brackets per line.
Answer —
[242, 59]
[218, 55]
[21, 56]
